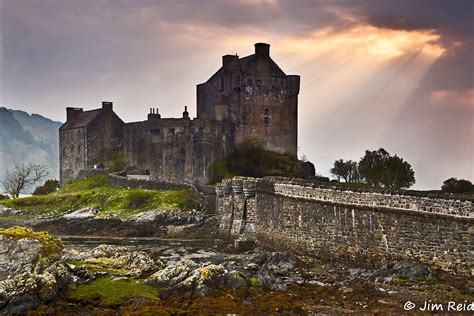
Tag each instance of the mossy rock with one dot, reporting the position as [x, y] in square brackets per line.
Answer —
[112, 292]
[51, 246]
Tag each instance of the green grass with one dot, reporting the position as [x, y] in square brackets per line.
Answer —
[112, 292]
[97, 192]
[52, 246]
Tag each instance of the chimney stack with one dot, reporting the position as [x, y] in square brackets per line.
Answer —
[107, 105]
[71, 112]
[262, 50]
[227, 60]
[185, 113]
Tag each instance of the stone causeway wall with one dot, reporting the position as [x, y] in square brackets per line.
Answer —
[364, 226]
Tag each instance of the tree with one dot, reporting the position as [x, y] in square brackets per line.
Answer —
[348, 170]
[15, 180]
[49, 186]
[381, 169]
[453, 185]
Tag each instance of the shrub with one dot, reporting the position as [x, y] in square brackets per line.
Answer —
[4, 197]
[49, 186]
[252, 160]
[453, 185]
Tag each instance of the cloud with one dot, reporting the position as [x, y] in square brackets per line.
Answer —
[374, 73]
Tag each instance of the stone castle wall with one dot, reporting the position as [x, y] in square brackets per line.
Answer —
[370, 228]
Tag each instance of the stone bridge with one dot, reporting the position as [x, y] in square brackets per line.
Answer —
[368, 227]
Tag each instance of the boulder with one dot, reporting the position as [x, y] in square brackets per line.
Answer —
[410, 269]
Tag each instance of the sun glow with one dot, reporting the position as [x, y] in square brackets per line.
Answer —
[369, 40]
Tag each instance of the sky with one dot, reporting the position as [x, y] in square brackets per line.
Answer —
[391, 74]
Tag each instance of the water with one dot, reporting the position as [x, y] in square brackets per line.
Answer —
[144, 243]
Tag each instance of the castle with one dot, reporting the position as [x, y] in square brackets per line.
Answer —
[247, 98]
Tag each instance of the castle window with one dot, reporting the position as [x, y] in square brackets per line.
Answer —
[172, 131]
[155, 132]
[259, 83]
[266, 116]
[222, 84]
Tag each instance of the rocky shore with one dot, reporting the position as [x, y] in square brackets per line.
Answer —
[135, 279]
[174, 263]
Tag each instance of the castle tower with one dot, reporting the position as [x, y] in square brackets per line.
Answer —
[256, 96]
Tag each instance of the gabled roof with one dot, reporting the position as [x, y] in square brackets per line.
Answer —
[248, 65]
[81, 119]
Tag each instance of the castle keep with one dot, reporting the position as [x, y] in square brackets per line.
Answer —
[249, 97]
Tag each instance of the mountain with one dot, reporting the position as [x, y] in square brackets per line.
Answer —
[28, 138]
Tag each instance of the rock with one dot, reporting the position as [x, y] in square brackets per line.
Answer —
[17, 256]
[86, 212]
[165, 217]
[172, 274]
[235, 279]
[203, 279]
[410, 269]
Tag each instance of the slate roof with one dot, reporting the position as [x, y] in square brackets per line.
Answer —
[81, 119]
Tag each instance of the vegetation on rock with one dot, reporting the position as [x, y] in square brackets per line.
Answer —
[97, 192]
[252, 160]
[52, 246]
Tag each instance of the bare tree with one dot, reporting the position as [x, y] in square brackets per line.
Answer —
[15, 180]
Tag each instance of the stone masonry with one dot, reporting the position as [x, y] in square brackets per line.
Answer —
[249, 97]
[370, 228]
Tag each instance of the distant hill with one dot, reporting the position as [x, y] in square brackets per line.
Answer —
[28, 138]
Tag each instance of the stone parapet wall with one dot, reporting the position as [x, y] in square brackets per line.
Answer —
[366, 228]
[442, 205]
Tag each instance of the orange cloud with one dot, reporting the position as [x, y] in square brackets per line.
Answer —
[369, 40]
[453, 97]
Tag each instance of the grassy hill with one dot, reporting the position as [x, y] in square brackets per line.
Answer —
[97, 192]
